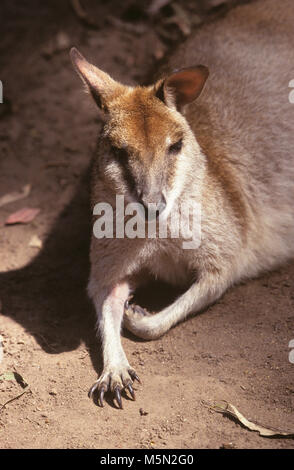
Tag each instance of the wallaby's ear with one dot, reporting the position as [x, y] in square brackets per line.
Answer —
[101, 86]
[182, 86]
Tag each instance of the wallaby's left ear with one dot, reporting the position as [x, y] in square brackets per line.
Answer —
[101, 86]
[182, 86]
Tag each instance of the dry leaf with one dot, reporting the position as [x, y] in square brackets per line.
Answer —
[14, 376]
[16, 195]
[7, 376]
[23, 216]
[20, 380]
[227, 408]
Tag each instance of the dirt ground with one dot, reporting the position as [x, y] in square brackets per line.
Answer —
[237, 350]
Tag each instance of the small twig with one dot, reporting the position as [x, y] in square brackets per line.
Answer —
[15, 398]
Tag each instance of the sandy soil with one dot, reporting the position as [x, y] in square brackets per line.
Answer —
[237, 350]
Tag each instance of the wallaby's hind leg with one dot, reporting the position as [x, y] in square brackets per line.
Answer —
[208, 289]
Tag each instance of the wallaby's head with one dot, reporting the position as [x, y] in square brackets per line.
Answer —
[149, 150]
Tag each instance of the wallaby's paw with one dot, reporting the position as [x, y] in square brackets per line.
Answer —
[140, 322]
[114, 379]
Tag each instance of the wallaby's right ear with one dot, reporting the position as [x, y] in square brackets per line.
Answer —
[182, 86]
[101, 86]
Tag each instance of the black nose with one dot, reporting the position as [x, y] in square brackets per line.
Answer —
[153, 204]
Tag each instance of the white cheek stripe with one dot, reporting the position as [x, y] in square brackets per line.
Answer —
[177, 187]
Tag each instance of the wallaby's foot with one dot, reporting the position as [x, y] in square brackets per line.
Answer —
[115, 379]
[140, 322]
[135, 310]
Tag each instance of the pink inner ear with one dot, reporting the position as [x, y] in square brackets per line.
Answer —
[187, 84]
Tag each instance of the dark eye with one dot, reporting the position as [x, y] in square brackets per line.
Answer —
[176, 147]
[121, 154]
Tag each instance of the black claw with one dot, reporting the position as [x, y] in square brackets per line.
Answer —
[92, 390]
[130, 388]
[118, 396]
[101, 396]
[134, 376]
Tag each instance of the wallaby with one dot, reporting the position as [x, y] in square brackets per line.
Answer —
[219, 134]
